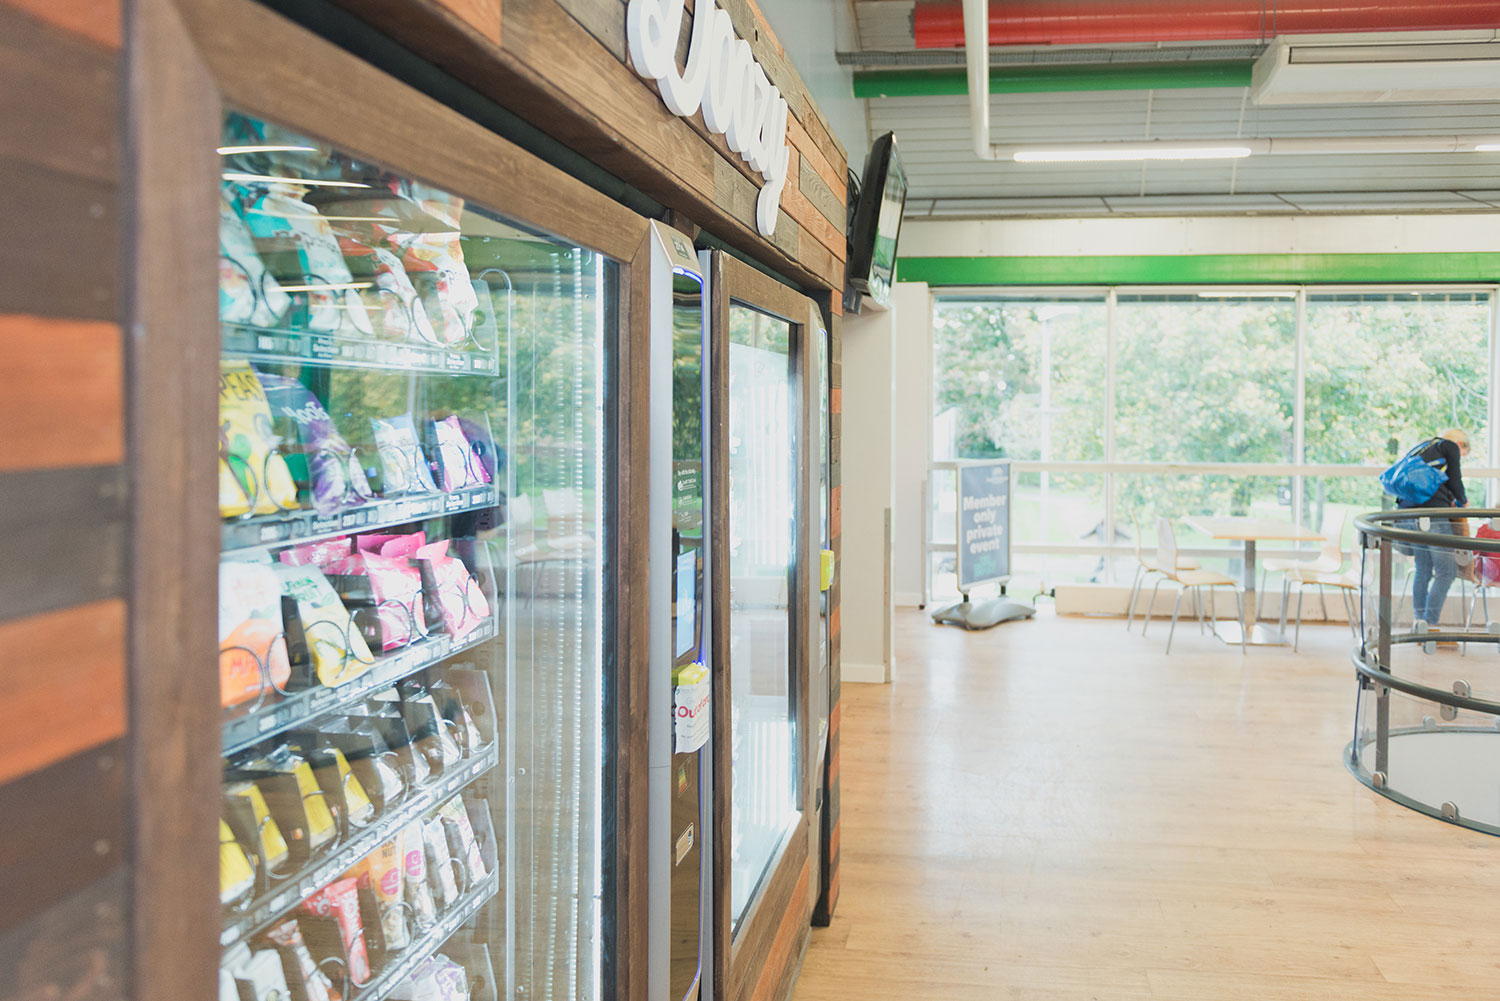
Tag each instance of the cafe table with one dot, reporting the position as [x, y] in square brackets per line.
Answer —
[1250, 531]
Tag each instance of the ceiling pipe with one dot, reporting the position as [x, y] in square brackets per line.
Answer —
[1055, 79]
[977, 62]
[939, 24]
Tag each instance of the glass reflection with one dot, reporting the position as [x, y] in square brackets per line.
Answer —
[762, 506]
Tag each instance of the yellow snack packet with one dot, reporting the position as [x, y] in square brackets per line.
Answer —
[253, 476]
[273, 847]
[236, 876]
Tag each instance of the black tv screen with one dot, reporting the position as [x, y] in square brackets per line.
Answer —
[877, 221]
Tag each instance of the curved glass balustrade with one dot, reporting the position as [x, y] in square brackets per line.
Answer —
[1427, 718]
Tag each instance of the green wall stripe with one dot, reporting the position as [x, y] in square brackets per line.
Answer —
[947, 81]
[1195, 269]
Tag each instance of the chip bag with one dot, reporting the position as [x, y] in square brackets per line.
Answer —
[338, 651]
[459, 595]
[253, 476]
[247, 292]
[337, 479]
[458, 465]
[382, 872]
[305, 981]
[276, 211]
[250, 632]
[402, 315]
[402, 464]
[339, 901]
[414, 871]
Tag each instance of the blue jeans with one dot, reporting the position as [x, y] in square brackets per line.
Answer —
[1436, 569]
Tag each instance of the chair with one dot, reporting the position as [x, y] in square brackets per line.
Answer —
[1344, 582]
[1196, 580]
[1330, 558]
[1145, 568]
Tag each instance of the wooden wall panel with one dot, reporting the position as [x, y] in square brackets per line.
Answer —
[63, 801]
[97, 21]
[64, 679]
[481, 15]
[562, 65]
[64, 396]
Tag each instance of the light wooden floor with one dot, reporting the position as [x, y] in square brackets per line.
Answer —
[1055, 810]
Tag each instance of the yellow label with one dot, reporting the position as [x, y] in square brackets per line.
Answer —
[319, 817]
[355, 800]
[690, 674]
[825, 569]
[272, 843]
[236, 877]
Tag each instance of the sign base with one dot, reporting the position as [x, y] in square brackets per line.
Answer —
[983, 614]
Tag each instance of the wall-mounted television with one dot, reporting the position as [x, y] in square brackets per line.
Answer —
[877, 221]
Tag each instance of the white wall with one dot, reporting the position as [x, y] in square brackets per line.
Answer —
[811, 33]
[866, 495]
[911, 411]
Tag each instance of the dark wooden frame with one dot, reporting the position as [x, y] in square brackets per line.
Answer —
[188, 59]
[777, 922]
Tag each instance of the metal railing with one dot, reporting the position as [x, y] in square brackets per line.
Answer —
[1427, 706]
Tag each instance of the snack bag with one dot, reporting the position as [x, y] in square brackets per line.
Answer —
[250, 632]
[402, 464]
[305, 982]
[273, 848]
[338, 650]
[339, 900]
[276, 211]
[459, 595]
[461, 839]
[236, 877]
[439, 864]
[247, 292]
[451, 300]
[382, 873]
[261, 977]
[313, 807]
[392, 586]
[317, 554]
[337, 479]
[403, 317]
[253, 477]
[391, 545]
[414, 871]
[436, 979]
[458, 466]
[349, 790]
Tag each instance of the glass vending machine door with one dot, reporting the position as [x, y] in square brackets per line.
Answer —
[691, 678]
[409, 598]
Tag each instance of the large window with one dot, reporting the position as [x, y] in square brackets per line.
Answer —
[1123, 405]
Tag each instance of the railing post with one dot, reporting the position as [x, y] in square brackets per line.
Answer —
[1383, 692]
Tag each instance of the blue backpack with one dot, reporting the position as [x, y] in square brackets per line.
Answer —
[1413, 481]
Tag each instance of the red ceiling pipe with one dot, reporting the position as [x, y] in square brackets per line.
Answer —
[939, 24]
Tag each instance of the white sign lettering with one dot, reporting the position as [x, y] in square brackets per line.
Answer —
[724, 80]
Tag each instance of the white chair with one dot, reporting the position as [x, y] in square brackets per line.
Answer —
[1344, 582]
[1196, 580]
[1145, 568]
[1330, 558]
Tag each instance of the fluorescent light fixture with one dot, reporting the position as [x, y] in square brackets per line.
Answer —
[1247, 295]
[311, 181]
[1487, 148]
[326, 288]
[331, 218]
[231, 150]
[1123, 151]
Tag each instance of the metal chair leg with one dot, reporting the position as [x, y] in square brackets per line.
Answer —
[1213, 610]
[1151, 606]
[1135, 590]
[1198, 606]
[1286, 589]
[1176, 606]
[1297, 634]
[1239, 611]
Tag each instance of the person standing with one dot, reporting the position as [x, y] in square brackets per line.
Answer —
[1436, 567]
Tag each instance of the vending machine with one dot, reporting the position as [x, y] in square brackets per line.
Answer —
[680, 786]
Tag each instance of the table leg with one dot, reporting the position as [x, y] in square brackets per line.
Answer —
[1254, 633]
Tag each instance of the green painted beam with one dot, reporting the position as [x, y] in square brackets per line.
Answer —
[1051, 79]
[1202, 269]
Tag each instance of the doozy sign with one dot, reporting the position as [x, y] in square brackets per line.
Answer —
[723, 78]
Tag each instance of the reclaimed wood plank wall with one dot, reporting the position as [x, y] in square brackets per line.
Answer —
[63, 510]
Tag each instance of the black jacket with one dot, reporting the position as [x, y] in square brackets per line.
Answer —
[1451, 493]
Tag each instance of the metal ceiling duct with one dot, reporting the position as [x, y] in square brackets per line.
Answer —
[939, 24]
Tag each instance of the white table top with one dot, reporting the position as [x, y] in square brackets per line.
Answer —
[1253, 529]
